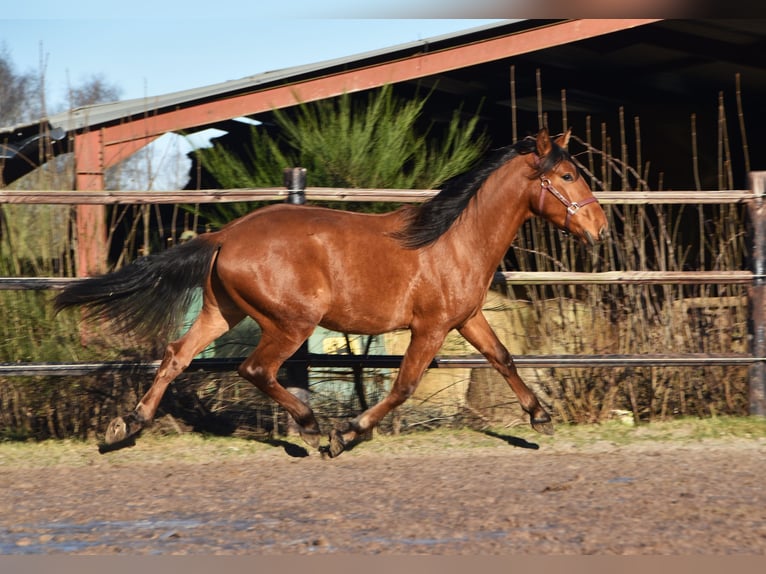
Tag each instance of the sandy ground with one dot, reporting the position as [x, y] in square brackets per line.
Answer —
[432, 494]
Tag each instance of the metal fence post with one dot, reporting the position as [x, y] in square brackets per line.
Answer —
[297, 369]
[295, 182]
[757, 298]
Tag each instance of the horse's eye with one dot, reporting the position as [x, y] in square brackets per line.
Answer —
[567, 177]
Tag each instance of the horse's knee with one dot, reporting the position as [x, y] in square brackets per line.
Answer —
[506, 366]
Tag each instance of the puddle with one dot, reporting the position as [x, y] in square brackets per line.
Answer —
[491, 535]
[621, 480]
[164, 535]
[127, 535]
[201, 534]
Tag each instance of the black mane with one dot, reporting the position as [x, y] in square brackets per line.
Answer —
[434, 217]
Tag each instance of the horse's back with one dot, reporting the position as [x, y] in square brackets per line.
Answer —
[336, 267]
[301, 220]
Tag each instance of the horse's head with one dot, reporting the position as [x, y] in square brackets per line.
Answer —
[563, 197]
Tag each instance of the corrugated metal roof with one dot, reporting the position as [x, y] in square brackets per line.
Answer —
[106, 113]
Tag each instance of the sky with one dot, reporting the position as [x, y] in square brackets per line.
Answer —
[149, 57]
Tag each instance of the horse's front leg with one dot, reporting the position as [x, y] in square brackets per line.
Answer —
[422, 349]
[478, 332]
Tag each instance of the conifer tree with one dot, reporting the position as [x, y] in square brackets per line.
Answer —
[379, 142]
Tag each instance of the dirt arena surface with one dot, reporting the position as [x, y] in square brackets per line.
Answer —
[638, 491]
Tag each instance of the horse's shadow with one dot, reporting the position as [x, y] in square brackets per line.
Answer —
[297, 451]
[513, 440]
[290, 448]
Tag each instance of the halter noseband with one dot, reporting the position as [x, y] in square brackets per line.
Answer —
[572, 206]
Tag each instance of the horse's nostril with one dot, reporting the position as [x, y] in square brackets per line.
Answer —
[603, 233]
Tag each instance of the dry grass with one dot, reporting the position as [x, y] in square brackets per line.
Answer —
[194, 448]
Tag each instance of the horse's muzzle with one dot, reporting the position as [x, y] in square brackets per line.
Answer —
[602, 235]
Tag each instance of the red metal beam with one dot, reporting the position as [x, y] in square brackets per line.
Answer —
[92, 158]
[116, 152]
[91, 220]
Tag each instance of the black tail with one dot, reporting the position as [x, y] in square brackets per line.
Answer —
[149, 296]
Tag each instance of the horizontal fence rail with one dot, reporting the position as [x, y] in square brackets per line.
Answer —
[337, 194]
[755, 278]
[625, 277]
[317, 361]
[509, 277]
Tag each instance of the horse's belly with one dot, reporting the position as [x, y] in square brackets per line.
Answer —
[371, 316]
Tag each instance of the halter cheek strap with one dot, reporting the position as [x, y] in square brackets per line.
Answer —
[572, 206]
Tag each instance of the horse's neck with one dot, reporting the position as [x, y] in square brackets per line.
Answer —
[495, 215]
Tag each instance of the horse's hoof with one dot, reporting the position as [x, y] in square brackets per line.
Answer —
[310, 437]
[118, 435]
[543, 426]
[337, 444]
[122, 430]
[116, 431]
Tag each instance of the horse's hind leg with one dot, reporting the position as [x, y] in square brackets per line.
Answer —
[479, 333]
[260, 368]
[210, 324]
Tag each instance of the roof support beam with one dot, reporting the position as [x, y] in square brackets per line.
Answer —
[417, 66]
[92, 158]
[91, 219]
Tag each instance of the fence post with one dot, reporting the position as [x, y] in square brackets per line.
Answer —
[297, 369]
[757, 298]
[295, 182]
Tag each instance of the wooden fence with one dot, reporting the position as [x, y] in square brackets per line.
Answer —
[755, 278]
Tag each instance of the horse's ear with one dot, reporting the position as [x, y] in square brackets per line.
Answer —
[543, 143]
[563, 140]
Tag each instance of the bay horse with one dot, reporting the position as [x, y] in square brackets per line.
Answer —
[424, 268]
